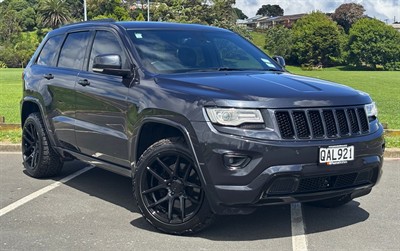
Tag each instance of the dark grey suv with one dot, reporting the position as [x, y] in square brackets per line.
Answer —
[202, 120]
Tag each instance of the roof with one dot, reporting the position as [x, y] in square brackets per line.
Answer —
[136, 25]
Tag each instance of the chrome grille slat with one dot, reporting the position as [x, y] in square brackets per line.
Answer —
[321, 123]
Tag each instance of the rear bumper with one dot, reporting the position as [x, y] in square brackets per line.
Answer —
[282, 172]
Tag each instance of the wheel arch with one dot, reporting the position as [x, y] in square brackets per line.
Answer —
[172, 129]
[30, 105]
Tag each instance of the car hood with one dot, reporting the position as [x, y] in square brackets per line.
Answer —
[267, 89]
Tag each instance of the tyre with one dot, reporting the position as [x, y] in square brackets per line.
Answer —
[39, 158]
[332, 202]
[168, 189]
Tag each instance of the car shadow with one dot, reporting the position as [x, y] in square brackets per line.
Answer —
[265, 223]
[325, 219]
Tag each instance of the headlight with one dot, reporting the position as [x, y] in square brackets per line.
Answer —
[233, 116]
[371, 110]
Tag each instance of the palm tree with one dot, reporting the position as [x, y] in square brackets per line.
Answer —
[54, 13]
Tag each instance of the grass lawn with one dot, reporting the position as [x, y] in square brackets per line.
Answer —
[384, 88]
[10, 94]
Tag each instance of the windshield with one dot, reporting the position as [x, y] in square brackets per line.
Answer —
[177, 51]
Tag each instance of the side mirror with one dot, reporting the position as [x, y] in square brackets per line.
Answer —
[280, 60]
[110, 64]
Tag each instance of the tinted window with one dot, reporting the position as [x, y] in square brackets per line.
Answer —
[73, 51]
[106, 42]
[175, 51]
[49, 52]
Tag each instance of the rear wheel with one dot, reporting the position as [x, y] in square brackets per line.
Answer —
[168, 189]
[39, 159]
[332, 202]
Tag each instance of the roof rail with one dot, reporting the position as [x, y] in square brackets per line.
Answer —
[104, 20]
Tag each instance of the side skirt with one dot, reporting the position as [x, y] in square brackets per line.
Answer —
[98, 163]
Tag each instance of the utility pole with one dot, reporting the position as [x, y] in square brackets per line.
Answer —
[148, 10]
[84, 11]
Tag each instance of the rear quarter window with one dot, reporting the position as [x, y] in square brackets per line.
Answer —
[48, 55]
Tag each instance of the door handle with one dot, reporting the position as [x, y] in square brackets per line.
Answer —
[83, 82]
[48, 76]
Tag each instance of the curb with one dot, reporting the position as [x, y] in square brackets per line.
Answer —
[389, 152]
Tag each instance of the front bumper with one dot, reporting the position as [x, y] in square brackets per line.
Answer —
[281, 172]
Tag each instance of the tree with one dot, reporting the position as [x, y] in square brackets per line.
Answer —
[372, 42]
[140, 17]
[116, 9]
[347, 14]
[270, 10]
[316, 40]
[9, 26]
[54, 13]
[279, 41]
[239, 13]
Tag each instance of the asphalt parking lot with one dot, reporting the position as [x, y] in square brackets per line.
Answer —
[95, 210]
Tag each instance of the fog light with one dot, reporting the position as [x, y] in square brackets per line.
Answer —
[235, 161]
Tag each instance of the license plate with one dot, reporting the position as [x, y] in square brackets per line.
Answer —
[334, 155]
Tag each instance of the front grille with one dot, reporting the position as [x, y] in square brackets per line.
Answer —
[322, 123]
[297, 185]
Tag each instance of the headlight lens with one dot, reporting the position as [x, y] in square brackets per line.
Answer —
[371, 110]
[233, 116]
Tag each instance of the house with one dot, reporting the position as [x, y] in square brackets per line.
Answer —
[396, 26]
[261, 22]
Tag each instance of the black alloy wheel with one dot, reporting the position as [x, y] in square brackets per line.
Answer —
[168, 189]
[39, 158]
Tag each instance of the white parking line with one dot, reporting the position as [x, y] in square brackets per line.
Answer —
[44, 190]
[299, 241]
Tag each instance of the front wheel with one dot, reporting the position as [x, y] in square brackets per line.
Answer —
[168, 189]
[39, 158]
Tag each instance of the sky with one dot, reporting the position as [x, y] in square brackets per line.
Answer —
[384, 10]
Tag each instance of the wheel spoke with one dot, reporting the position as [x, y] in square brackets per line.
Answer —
[156, 175]
[182, 207]
[170, 206]
[192, 200]
[29, 131]
[165, 198]
[189, 184]
[176, 165]
[28, 149]
[153, 189]
[166, 168]
[30, 156]
[27, 139]
[186, 176]
[35, 157]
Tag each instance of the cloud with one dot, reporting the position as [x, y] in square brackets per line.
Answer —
[384, 10]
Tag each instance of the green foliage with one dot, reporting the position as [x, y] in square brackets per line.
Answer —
[16, 53]
[278, 41]
[116, 9]
[270, 10]
[239, 13]
[347, 14]
[140, 17]
[54, 13]
[392, 66]
[316, 40]
[373, 43]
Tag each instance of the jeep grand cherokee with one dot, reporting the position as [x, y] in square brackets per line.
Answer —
[202, 120]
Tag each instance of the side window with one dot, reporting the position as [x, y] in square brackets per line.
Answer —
[73, 51]
[105, 42]
[49, 52]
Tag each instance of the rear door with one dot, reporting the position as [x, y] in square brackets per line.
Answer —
[101, 105]
[58, 84]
